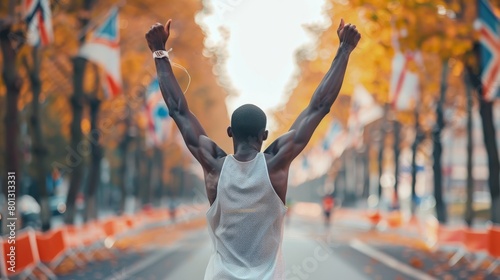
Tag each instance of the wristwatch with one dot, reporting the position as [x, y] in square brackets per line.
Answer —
[160, 54]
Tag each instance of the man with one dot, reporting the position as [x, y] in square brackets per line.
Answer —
[328, 204]
[247, 190]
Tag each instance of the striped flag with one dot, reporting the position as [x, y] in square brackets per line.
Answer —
[333, 132]
[39, 21]
[364, 110]
[102, 48]
[489, 33]
[404, 89]
[159, 122]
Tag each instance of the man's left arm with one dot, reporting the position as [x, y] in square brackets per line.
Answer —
[288, 146]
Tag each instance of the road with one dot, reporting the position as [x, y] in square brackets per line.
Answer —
[310, 252]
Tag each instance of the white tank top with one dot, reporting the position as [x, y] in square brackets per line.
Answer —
[246, 223]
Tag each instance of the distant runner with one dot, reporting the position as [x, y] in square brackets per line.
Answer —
[328, 204]
[247, 189]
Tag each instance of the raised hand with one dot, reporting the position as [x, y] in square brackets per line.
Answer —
[348, 34]
[158, 35]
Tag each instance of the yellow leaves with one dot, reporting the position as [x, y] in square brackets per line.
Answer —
[132, 63]
[85, 126]
[406, 118]
[432, 45]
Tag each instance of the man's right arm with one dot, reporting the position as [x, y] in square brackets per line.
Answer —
[195, 137]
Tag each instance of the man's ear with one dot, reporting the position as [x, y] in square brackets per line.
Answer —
[265, 135]
[229, 132]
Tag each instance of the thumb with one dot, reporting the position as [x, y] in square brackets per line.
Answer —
[341, 25]
[167, 25]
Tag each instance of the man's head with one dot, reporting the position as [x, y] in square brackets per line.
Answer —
[248, 123]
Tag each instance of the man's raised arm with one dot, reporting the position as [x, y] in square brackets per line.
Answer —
[187, 122]
[292, 143]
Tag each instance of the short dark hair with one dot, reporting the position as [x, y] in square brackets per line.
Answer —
[248, 121]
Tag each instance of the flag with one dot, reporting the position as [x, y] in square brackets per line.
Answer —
[159, 122]
[364, 110]
[335, 140]
[364, 107]
[39, 21]
[333, 132]
[489, 36]
[319, 163]
[404, 87]
[102, 48]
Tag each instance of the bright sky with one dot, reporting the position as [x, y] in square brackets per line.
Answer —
[264, 35]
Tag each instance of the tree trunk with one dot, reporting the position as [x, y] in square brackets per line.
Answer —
[380, 157]
[159, 165]
[490, 141]
[38, 147]
[13, 84]
[441, 212]
[489, 136]
[146, 173]
[122, 172]
[469, 212]
[486, 111]
[366, 172]
[138, 162]
[397, 140]
[77, 101]
[414, 149]
[95, 162]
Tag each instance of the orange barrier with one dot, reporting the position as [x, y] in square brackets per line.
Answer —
[494, 247]
[132, 222]
[450, 236]
[375, 217]
[475, 241]
[34, 249]
[394, 219]
[114, 227]
[437, 235]
[27, 259]
[53, 248]
[95, 240]
[82, 239]
[157, 214]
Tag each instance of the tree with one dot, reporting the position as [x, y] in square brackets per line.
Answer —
[486, 112]
[414, 149]
[437, 151]
[13, 83]
[77, 103]
[39, 149]
[469, 211]
[95, 161]
[397, 151]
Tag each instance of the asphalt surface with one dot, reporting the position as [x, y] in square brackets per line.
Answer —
[310, 250]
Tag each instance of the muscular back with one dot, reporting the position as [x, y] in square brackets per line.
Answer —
[277, 175]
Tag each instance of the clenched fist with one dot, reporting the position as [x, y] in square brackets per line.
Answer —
[348, 34]
[157, 36]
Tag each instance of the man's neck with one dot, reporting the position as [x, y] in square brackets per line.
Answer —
[246, 150]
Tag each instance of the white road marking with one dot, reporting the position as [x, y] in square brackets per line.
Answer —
[139, 266]
[147, 262]
[389, 261]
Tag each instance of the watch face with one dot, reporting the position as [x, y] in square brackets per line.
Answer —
[160, 54]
